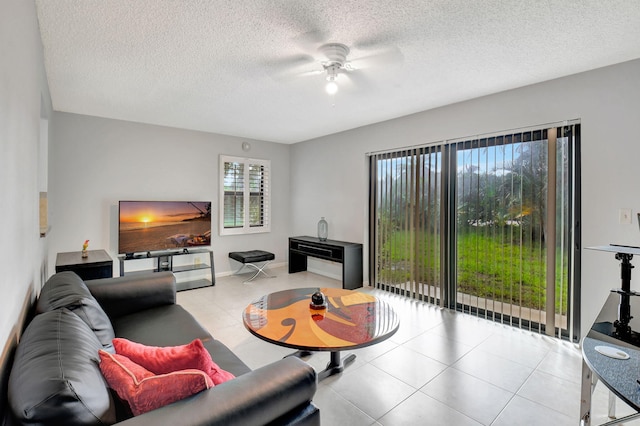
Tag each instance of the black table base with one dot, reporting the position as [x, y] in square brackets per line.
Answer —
[336, 364]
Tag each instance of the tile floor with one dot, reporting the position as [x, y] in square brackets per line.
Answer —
[440, 368]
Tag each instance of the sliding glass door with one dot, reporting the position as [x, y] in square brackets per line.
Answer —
[487, 226]
[406, 218]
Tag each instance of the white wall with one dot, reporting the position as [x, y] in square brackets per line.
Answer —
[23, 94]
[96, 162]
[329, 175]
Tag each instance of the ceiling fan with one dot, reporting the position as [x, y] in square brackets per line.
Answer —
[317, 42]
[334, 62]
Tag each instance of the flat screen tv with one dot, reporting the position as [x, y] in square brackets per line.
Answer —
[146, 226]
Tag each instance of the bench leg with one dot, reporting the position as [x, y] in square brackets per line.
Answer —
[258, 269]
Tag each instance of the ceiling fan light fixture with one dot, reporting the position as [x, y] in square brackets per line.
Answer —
[331, 87]
[332, 75]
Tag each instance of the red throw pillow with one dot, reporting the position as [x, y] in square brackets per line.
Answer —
[162, 360]
[145, 391]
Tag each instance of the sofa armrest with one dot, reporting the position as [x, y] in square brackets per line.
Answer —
[125, 295]
[255, 398]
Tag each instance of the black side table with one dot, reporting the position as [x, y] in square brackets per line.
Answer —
[98, 264]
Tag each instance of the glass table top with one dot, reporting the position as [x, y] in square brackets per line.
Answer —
[352, 319]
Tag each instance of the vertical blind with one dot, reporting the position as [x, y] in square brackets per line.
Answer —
[405, 241]
[472, 225]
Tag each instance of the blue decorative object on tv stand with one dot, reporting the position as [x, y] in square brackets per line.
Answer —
[323, 229]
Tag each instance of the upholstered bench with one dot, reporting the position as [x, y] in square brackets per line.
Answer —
[251, 259]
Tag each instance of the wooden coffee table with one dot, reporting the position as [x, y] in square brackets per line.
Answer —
[351, 320]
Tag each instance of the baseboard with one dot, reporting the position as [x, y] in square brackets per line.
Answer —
[286, 265]
[324, 273]
[271, 265]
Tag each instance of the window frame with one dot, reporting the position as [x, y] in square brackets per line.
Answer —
[246, 227]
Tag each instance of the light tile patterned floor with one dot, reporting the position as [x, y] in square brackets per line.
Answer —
[440, 368]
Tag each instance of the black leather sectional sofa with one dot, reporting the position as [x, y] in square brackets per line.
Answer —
[55, 377]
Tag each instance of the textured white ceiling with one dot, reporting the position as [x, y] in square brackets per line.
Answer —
[242, 68]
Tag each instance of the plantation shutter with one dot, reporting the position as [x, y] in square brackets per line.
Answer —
[246, 195]
[233, 187]
[259, 195]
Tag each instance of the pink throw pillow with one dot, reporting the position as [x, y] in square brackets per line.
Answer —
[162, 360]
[145, 391]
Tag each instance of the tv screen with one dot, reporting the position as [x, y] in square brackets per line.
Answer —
[146, 226]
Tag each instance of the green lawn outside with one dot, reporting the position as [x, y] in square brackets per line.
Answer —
[396, 261]
[489, 266]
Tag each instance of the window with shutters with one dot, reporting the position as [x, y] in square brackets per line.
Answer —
[245, 200]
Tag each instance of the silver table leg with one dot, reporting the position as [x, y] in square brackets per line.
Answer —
[612, 405]
[585, 395]
[588, 386]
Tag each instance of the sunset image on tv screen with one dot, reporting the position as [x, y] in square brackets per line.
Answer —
[163, 225]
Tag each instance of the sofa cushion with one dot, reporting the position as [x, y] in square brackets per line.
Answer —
[168, 325]
[162, 360]
[145, 391]
[225, 358]
[55, 378]
[67, 290]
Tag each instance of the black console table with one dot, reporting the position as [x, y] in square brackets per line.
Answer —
[349, 254]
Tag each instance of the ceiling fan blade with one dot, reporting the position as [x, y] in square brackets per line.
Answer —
[391, 55]
[302, 19]
[291, 61]
[297, 72]
[354, 80]
[306, 37]
[311, 72]
[289, 66]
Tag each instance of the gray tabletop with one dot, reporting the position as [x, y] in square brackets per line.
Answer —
[619, 375]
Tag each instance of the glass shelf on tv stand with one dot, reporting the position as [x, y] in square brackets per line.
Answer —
[163, 261]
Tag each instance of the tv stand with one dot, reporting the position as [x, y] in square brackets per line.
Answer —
[164, 261]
